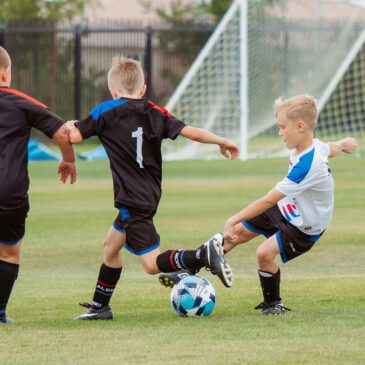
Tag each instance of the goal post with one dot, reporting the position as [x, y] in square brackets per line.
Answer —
[257, 54]
[209, 95]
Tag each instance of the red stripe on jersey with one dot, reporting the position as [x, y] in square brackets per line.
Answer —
[162, 110]
[25, 96]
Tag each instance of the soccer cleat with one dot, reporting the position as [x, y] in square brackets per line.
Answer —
[272, 308]
[169, 279]
[214, 260]
[105, 313]
[5, 319]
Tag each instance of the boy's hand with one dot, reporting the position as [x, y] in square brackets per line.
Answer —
[229, 147]
[74, 134]
[66, 169]
[229, 233]
[70, 124]
[348, 144]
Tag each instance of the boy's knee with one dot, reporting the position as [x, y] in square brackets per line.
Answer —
[151, 268]
[263, 255]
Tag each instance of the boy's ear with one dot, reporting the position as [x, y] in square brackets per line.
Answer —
[5, 76]
[143, 90]
[113, 93]
[302, 126]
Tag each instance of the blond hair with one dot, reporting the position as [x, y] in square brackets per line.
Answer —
[4, 58]
[300, 107]
[125, 75]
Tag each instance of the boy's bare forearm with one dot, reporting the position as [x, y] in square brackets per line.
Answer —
[257, 207]
[347, 145]
[204, 136]
[61, 137]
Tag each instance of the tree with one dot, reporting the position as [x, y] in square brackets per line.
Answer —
[41, 9]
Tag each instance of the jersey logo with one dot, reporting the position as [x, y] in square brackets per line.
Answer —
[25, 96]
[162, 110]
[290, 212]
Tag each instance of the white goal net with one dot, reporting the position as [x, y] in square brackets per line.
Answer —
[258, 53]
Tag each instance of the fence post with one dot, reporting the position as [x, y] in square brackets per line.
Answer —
[78, 33]
[286, 61]
[2, 35]
[148, 61]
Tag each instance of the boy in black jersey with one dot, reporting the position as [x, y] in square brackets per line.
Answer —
[132, 129]
[18, 114]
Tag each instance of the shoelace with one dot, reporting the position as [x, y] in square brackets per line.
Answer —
[86, 305]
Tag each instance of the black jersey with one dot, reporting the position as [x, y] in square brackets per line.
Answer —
[131, 131]
[18, 114]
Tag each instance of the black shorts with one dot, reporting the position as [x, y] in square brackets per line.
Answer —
[141, 233]
[292, 241]
[12, 225]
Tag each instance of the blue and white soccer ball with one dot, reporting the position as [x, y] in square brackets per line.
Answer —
[193, 296]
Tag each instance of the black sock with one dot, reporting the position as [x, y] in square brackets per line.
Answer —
[270, 284]
[107, 281]
[8, 275]
[176, 260]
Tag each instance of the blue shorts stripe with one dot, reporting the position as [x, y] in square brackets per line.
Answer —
[315, 238]
[282, 254]
[124, 213]
[139, 253]
[12, 243]
[118, 229]
[255, 230]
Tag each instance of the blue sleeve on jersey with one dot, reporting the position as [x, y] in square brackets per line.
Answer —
[301, 169]
[104, 107]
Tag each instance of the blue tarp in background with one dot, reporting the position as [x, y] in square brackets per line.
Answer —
[98, 153]
[39, 152]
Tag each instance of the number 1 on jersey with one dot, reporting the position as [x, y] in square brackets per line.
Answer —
[139, 134]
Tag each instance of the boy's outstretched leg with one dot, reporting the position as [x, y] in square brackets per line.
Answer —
[176, 264]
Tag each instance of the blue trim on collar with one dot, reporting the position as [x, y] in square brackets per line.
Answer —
[106, 106]
[301, 169]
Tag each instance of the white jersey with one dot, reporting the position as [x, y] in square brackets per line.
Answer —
[308, 187]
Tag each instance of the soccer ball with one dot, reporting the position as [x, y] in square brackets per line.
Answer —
[193, 296]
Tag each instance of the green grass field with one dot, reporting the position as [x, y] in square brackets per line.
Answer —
[62, 254]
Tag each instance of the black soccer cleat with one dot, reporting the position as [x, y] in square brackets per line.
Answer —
[214, 260]
[105, 313]
[5, 319]
[169, 279]
[272, 308]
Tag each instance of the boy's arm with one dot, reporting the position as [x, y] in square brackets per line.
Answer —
[203, 136]
[74, 133]
[254, 209]
[346, 145]
[67, 166]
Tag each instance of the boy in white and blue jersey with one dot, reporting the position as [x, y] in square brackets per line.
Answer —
[295, 213]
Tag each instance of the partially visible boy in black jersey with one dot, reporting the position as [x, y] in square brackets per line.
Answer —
[131, 130]
[18, 114]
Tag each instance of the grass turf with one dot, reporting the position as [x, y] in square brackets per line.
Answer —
[62, 253]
